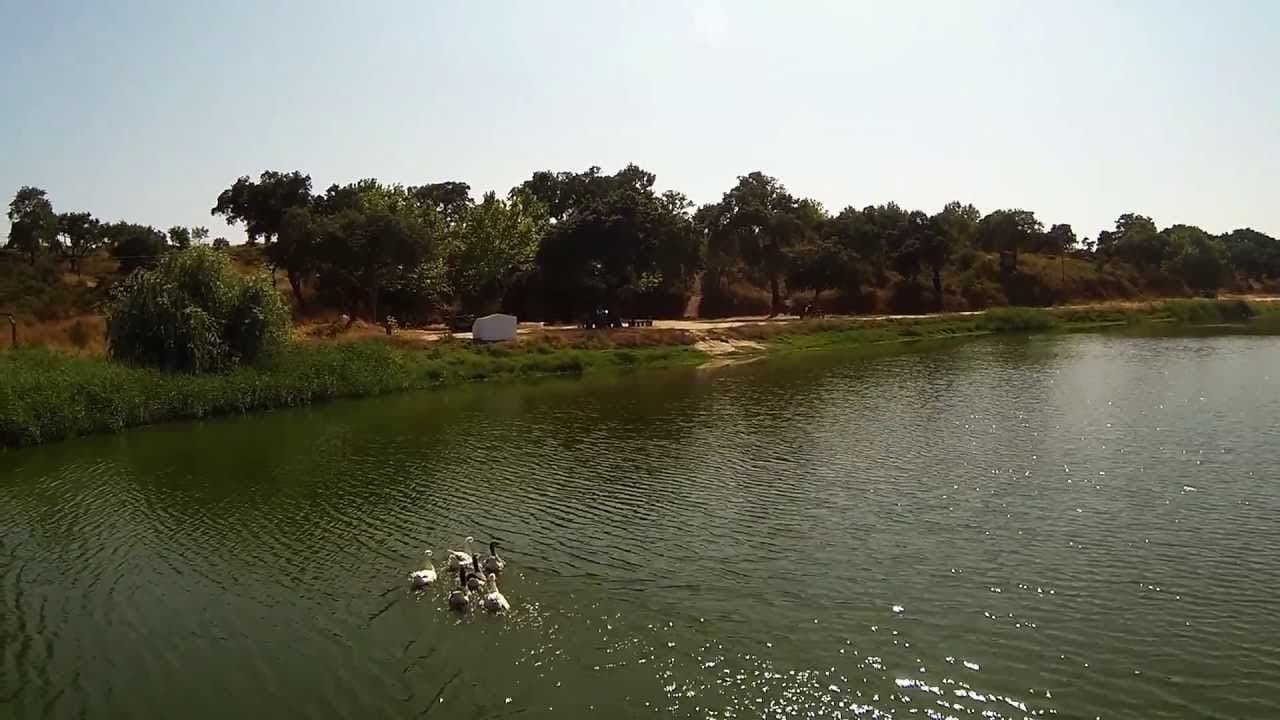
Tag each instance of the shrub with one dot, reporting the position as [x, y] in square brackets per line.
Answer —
[1024, 288]
[1015, 319]
[980, 293]
[194, 313]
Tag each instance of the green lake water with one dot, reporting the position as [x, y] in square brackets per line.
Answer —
[1074, 526]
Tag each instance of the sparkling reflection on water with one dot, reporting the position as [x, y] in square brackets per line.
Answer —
[1079, 527]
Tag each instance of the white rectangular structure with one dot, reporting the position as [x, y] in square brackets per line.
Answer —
[494, 328]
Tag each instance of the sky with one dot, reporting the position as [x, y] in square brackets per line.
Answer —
[1080, 111]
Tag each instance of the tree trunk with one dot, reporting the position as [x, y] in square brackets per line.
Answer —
[937, 286]
[775, 295]
[295, 282]
[817, 293]
[373, 302]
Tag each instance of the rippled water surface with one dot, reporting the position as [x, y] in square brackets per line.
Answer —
[1077, 526]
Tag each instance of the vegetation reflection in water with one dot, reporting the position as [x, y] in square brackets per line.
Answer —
[1073, 526]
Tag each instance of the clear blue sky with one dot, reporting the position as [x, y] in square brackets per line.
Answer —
[1077, 110]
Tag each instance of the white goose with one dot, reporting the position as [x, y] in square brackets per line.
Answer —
[424, 577]
[461, 558]
[493, 563]
[460, 599]
[494, 601]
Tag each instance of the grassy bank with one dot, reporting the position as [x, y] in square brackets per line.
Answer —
[47, 395]
[835, 332]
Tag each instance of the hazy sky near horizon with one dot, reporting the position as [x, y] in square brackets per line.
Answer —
[1079, 111]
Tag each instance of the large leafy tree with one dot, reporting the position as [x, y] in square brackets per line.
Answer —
[134, 246]
[1198, 258]
[759, 221]
[1253, 254]
[622, 242]
[854, 231]
[825, 263]
[377, 237]
[1008, 232]
[911, 240]
[931, 241]
[296, 249]
[33, 224]
[883, 229]
[449, 199]
[262, 204]
[1059, 239]
[180, 237]
[1135, 240]
[948, 232]
[563, 193]
[490, 245]
[80, 234]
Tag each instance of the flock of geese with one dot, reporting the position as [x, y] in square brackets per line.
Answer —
[475, 575]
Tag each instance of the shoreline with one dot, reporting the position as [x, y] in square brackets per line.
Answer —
[47, 396]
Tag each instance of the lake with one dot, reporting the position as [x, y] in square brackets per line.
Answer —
[1071, 526]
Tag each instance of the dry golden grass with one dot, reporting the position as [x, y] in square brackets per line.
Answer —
[616, 338]
[82, 334]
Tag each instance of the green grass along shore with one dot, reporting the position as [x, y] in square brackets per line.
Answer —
[48, 395]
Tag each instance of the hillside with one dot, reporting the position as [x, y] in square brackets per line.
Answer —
[55, 307]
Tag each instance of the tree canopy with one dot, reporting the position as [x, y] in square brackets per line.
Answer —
[1199, 258]
[759, 221]
[261, 205]
[33, 224]
[81, 234]
[1008, 232]
[620, 242]
[490, 246]
[135, 246]
[562, 243]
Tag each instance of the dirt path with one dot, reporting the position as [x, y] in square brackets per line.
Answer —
[716, 345]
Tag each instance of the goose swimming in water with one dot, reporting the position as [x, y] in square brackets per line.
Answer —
[425, 576]
[493, 563]
[460, 599]
[475, 577]
[461, 558]
[494, 601]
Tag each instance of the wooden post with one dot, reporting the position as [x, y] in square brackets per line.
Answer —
[13, 330]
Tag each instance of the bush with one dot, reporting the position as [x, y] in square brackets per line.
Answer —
[1027, 289]
[1016, 319]
[194, 313]
[980, 293]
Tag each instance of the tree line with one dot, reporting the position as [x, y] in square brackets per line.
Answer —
[562, 243]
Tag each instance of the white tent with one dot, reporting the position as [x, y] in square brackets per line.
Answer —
[494, 328]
